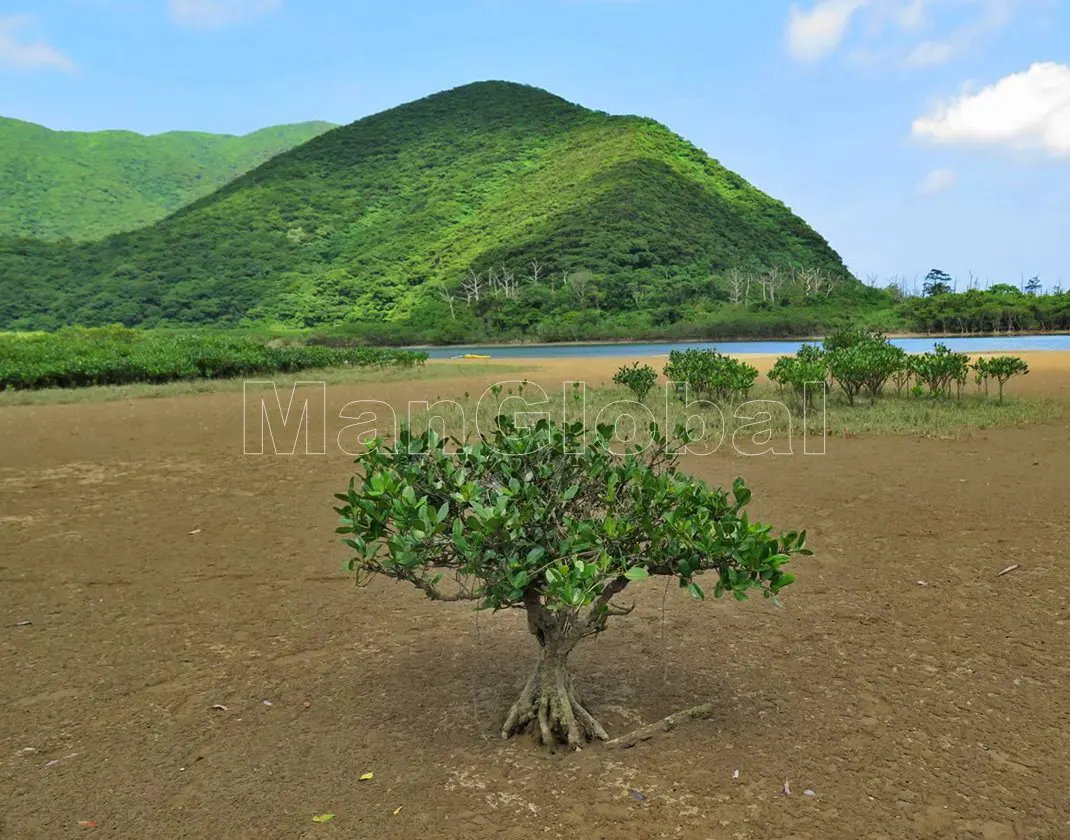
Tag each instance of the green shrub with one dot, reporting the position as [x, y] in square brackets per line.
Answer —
[902, 375]
[939, 369]
[864, 363]
[639, 379]
[708, 373]
[800, 372]
[1001, 368]
[847, 337]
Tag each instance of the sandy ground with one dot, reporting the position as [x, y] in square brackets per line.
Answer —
[913, 692]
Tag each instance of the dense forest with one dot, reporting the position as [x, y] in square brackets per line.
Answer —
[999, 308]
[87, 185]
[491, 210]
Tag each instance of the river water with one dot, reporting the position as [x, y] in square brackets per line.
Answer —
[972, 344]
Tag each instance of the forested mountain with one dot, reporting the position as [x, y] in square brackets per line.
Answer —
[493, 209]
[87, 185]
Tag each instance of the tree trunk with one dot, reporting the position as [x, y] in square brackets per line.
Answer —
[549, 703]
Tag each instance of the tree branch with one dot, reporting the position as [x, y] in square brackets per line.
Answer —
[666, 724]
[434, 594]
[595, 622]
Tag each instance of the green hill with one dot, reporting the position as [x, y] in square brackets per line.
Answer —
[383, 219]
[87, 185]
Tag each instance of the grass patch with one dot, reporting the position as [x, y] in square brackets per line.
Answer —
[767, 414]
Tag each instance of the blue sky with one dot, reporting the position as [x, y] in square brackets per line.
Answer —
[911, 133]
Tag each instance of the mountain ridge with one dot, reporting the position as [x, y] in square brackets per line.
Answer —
[382, 220]
[88, 185]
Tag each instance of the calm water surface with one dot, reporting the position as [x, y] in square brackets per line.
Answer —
[992, 344]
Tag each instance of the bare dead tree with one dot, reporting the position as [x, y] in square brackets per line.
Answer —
[820, 280]
[508, 283]
[471, 286]
[760, 279]
[773, 280]
[536, 271]
[448, 297]
[735, 285]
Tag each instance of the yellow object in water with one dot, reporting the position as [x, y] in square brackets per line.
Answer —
[475, 356]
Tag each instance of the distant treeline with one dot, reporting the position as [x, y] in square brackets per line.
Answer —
[1000, 308]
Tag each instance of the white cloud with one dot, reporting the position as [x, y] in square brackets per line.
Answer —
[24, 54]
[913, 33]
[931, 53]
[212, 14]
[1029, 110]
[993, 16]
[937, 181]
[816, 32]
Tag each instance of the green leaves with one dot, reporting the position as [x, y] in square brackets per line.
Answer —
[741, 493]
[1002, 369]
[639, 379]
[708, 373]
[860, 360]
[803, 373]
[510, 518]
[940, 369]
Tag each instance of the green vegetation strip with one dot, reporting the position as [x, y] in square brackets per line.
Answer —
[75, 358]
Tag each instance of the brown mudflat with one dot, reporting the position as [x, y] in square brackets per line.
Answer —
[913, 692]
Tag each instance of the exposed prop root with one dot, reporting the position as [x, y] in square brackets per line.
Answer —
[666, 724]
[587, 720]
[550, 700]
[545, 732]
[523, 710]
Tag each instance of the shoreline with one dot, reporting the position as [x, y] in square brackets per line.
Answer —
[783, 339]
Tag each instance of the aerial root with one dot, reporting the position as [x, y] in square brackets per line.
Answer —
[523, 710]
[590, 725]
[550, 700]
